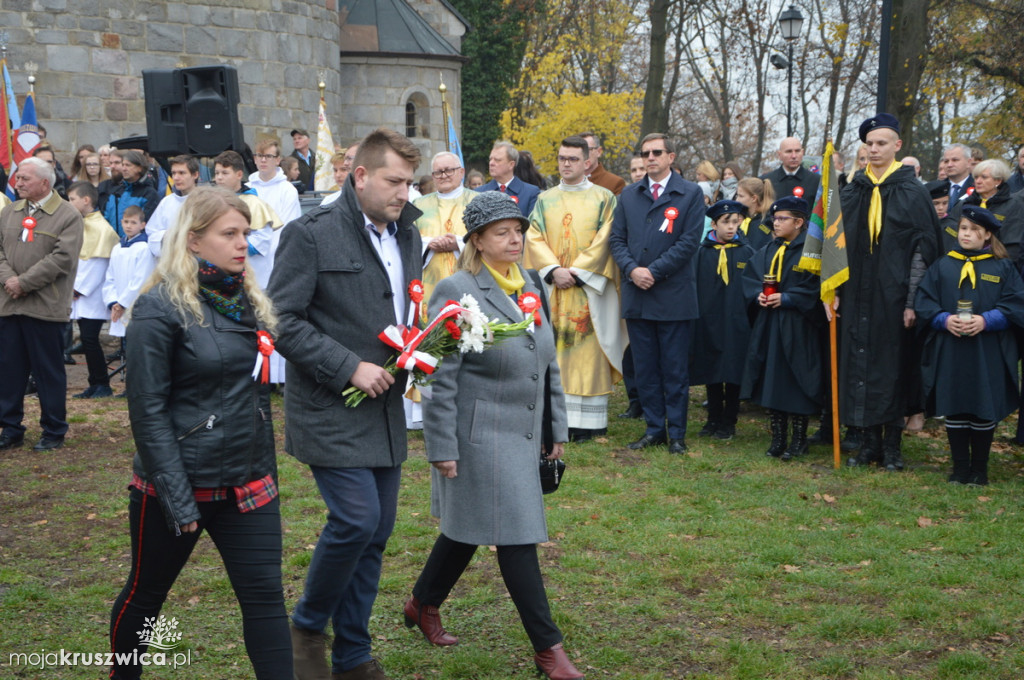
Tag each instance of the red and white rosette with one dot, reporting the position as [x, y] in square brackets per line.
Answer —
[530, 304]
[671, 214]
[265, 347]
[514, 198]
[415, 301]
[798, 192]
[28, 226]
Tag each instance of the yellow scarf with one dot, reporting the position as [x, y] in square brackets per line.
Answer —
[511, 284]
[745, 226]
[776, 265]
[967, 271]
[723, 261]
[875, 208]
[984, 204]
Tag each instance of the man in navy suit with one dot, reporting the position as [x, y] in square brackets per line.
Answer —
[501, 164]
[655, 233]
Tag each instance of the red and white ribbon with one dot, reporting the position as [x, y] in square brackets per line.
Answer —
[265, 345]
[670, 219]
[28, 226]
[406, 340]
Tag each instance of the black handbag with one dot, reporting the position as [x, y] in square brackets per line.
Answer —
[551, 471]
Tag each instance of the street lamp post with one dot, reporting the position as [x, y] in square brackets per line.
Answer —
[790, 23]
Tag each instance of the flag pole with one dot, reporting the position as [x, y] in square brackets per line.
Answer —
[833, 340]
[442, 88]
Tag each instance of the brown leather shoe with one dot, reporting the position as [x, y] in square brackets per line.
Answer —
[428, 619]
[555, 664]
[371, 670]
[309, 654]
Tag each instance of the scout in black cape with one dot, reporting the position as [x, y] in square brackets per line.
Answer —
[970, 357]
[757, 195]
[720, 334]
[939, 191]
[892, 234]
[783, 369]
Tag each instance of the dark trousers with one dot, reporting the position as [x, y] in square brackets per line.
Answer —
[89, 332]
[250, 545]
[661, 352]
[629, 376]
[29, 345]
[344, 574]
[520, 569]
[723, 403]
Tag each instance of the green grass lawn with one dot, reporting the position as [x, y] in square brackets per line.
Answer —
[719, 564]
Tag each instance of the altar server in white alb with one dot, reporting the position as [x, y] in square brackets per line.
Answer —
[184, 176]
[131, 264]
[87, 307]
[270, 183]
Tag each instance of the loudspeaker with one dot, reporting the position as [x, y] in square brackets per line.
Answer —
[165, 112]
[192, 110]
[211, 109]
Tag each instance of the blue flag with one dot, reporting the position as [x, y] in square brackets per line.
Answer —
[453, 141]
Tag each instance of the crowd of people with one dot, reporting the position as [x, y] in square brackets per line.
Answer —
[659, 282]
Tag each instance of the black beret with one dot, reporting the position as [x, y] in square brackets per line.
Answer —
[981, 217]
[724, 208]
[791, 204]
[882, 120]
[938, 188]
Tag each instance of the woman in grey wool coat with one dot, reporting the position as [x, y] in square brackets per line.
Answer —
[482, 428]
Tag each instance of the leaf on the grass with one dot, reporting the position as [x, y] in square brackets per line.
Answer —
[40, 522]
[91, 515]
[790, 568]
[828, 499]
[924, 522]
[983, 499]
[194, 600]
[999, 637]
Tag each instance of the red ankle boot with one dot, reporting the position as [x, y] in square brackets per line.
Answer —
[429, 621]
[555, 664]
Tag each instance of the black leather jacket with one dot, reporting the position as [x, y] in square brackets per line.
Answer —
[199, 418]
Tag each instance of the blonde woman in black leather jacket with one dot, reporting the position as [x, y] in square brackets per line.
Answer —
[202, 427]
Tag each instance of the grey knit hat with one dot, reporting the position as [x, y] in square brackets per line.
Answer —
[489, 207]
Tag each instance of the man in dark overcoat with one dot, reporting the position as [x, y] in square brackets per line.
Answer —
[655, 233]
[341, 276]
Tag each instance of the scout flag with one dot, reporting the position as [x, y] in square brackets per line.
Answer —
[12, 103]
[825, 245]
[324, 150]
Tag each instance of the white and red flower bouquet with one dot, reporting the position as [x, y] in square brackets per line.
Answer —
[457, 327]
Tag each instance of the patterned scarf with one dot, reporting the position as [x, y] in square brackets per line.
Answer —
[225, 292]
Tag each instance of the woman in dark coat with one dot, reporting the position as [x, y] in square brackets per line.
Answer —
[992, 193]
[783, 371]
[482, 427]
[204, 436]
[970, 357]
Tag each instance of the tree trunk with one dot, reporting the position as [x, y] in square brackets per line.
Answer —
[906, 63]
[654, 119]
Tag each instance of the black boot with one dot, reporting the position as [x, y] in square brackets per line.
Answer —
[960, 453]
[852, 440]
[981, 445]
[892, 456]
[870, 447]
[798, 445]
[778, 421]
[716, 399]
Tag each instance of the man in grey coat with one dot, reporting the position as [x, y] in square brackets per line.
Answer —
[341, 277]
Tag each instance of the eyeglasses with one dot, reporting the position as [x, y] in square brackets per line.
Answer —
[444, 172]
[92, 165]
[265, 156]
[652, 152]
[782, 218]
[569, 159]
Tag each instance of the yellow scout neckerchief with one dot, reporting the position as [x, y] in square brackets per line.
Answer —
[967, 271]
[776, 265]
[723, 261]
[875, 208]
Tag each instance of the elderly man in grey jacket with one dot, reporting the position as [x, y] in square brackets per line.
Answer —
[341, 276]
[40, 240]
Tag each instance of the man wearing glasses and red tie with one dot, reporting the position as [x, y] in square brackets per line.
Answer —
[655, 232]
[502, 165]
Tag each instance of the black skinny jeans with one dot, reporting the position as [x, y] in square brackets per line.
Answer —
[89, 332]
[250, 545]
[520, 570]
